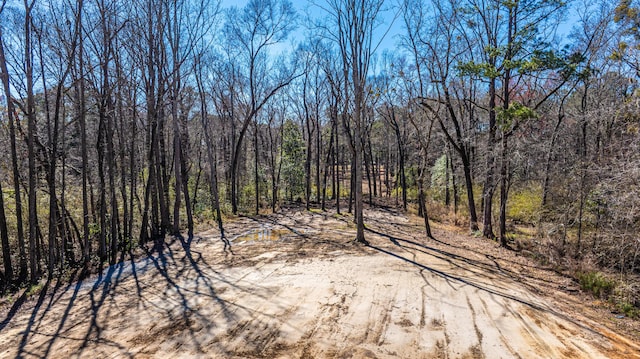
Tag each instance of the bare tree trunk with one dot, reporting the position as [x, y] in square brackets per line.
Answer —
[504, 163]
[11, 113]
[337, 165]
[447, 189]
[352, 184]
[149, 226]
[307, 162]
[487, 191]
[318, 155]
[372, 164]
[162, 172]
[121, 129]
[187, 199]
[115, 217]
[554, 137]
[196, 186]
[31, 134]
[256, 166]
[4, 238]
[358, 152]
[51, 166]
[273, 164]
[387, 170]
[213, 164]
[102, 243]
[177, 158]
[583, 169]
[327, 164]
[454, 183]
[234, 181]
[81, 113]
[132, 165]
[367, 166]
[401, 157]
[547, 165]
[423, 205]
[359, 204]
[403, 177]
[213, 175]
[503, 191]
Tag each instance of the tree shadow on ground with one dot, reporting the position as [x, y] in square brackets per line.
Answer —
[85, 307]
[493, 267]
[451, 258]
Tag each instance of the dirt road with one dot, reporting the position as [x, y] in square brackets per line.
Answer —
[295, 287]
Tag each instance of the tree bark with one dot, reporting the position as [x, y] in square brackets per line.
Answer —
[31, 134]
[487, 191]
[11, 115]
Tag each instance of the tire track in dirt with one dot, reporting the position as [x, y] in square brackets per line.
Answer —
[476, 350]
[455, 337]
[499, 338]
[323, 325]
[530, 330]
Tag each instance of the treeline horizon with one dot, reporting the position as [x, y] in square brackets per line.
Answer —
[124, 122]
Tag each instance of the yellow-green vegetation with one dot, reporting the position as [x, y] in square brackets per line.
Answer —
[412, 193]
[629, 309]
[524, 204]
[344, 192]
[34, 289]
[617, 293]
[339, 215]
[596, 283]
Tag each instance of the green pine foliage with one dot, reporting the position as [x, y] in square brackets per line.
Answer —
[293, 150]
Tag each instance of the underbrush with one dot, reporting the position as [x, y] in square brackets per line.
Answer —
[596, 283]
[524, 204]
[623, 295]
[630, 310]
[440, 212]
[604, 263]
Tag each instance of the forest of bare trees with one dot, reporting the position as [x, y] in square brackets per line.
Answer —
[124, 122]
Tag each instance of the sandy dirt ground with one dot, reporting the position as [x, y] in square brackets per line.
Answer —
[296, 287]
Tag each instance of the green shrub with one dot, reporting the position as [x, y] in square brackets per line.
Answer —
[629, 309]
[596, 283]
[34, 289]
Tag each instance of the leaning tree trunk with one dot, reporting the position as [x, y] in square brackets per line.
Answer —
[423, 205]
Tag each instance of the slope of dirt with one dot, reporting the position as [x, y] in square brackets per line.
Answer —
[310, 293]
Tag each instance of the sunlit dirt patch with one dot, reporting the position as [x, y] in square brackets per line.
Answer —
[265, 234]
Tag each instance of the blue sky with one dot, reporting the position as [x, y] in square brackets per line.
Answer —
[388, 32]
[306, 8]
